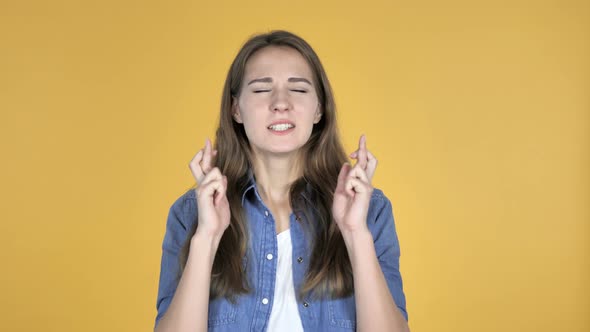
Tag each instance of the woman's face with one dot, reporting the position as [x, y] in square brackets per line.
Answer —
[278, 105]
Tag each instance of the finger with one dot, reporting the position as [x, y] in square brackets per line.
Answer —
[204, 189]
[211, 190]
[342, 176]
[221, 191]
[206, 165]
[213, 175]
[354, 154]
[195, 166]
[355, 186]
[358, 173]
[362, 152]
[371, 165]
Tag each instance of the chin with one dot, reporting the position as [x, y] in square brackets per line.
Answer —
[284, 149]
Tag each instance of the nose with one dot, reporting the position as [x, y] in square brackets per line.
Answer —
[280, 102]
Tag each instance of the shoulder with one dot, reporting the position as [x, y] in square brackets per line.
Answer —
[381, 223]
[184, 207]
[379, 205]
[378, 195]
[182, 201]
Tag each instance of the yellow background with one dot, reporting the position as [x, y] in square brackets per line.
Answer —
[478, 111]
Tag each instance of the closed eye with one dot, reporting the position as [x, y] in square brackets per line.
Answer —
[259, 91]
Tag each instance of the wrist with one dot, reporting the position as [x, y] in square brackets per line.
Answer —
[206, 235]
[205, 244]
[354, 238]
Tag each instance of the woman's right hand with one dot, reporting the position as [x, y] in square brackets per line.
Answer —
[213, 207]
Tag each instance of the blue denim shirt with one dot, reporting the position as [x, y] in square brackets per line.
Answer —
[251, 313]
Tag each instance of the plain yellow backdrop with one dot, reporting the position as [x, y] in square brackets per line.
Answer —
[478, 111]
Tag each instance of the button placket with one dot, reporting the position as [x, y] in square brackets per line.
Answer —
[268, 252]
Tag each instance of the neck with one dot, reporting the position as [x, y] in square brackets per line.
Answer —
[274, 176]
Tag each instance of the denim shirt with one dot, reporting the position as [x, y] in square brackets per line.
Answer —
[252, 311]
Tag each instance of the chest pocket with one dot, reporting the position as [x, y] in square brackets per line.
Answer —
[221, 312]
[342, 312]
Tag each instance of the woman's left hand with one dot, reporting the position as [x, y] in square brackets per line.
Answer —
[353, 191]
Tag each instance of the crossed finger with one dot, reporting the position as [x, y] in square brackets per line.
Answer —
[214, 185]
[365, 158]
[357, 181]
[201, 164]
[207, 155]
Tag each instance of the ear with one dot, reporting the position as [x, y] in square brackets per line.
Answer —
[318, 114]
[235, 110]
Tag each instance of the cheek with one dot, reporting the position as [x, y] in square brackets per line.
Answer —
[304, 102]
[250, 105]
[311, 107]
[246, 109]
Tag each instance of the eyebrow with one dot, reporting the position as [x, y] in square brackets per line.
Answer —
[269, 80]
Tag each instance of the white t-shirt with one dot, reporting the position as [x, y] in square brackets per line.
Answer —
[284, 315]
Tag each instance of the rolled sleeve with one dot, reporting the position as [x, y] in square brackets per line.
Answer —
[177, 227]
[387, 248]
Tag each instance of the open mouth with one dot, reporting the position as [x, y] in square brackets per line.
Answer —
[281, 127]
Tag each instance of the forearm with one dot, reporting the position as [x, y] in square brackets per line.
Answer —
[188, 310]
[375, 307]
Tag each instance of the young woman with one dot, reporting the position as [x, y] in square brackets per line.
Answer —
[281, 233]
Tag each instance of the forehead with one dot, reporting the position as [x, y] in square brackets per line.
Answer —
[277, 61]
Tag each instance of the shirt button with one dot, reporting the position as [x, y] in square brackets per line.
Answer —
[299, 259]
[265, 301]
[269, 256]
[266, 213]
[305, 304]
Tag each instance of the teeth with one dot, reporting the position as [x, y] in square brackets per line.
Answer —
[281, 127]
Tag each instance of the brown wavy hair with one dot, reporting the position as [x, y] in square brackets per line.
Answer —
[329, 271]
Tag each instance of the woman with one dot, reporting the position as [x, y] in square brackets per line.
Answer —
[280, 233]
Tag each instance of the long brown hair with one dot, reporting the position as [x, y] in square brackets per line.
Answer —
[329, 271]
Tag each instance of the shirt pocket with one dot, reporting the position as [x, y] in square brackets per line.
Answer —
[342, 312]
[221, 312]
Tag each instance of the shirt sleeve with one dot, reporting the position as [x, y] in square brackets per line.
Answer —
[174, 238]
[382, 226]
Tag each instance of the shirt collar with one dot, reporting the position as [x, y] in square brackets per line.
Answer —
[251, 186]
